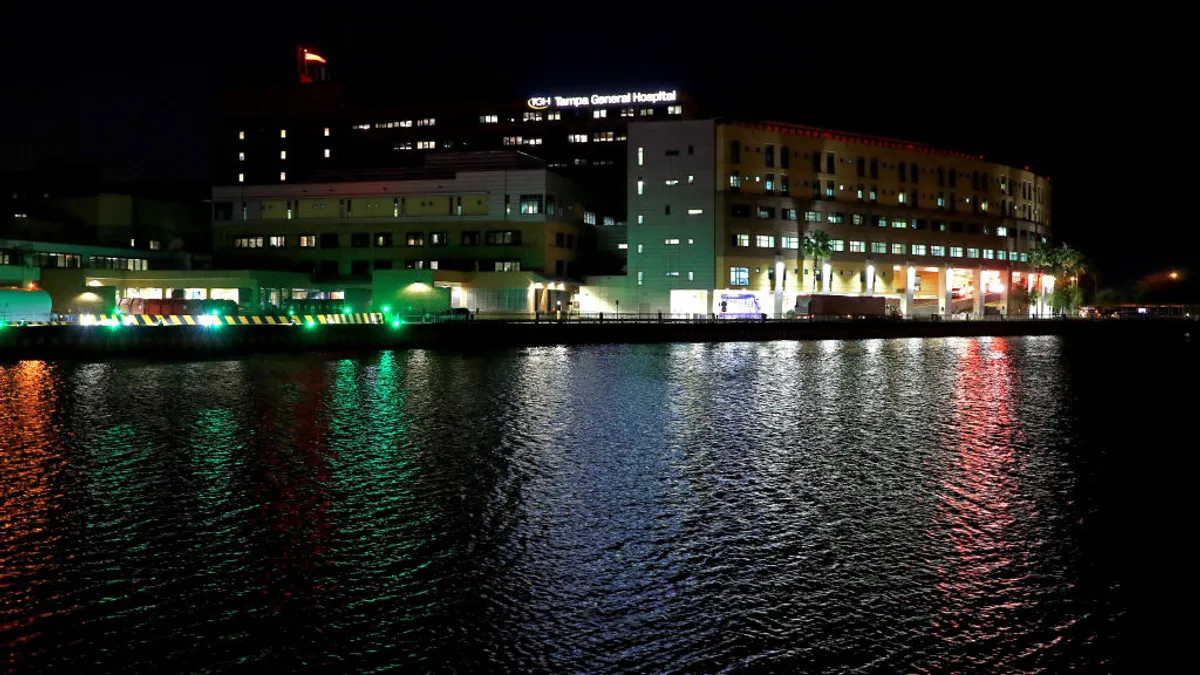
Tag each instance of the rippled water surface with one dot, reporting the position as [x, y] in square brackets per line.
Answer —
[918, 506]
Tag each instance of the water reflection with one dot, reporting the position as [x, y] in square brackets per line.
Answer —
[874, 506]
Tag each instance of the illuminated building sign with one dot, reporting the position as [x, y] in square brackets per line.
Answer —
[543, 102]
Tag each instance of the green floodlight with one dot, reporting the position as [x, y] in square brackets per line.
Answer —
[212, 312]
[291, 312]
[345, 310]
[396, 323]
[310, 325]
[387, 309]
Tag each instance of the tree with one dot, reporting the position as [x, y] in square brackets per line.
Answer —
[1041, 258]
[817, 247]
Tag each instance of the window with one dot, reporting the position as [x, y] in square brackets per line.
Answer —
[531, 116]
[858, 247]
[426, 122]
[241, 156]
[835, 218]
[282, 176]
[359, 240]
[640, 248]
[489, 119]
[626, 112]
[672, 274]
[902, 172]
[897, 249]
[667, 210]
[283, 133]
[248, 242]
[769, 155]
[426, 145]
[956, 251]
[874, 168]
[603, 137]
[531, 204]
[829, 162]
[857, 219]
[874, 193]
[329, 240]
[837, 245]
[513, 140]
[414, 239]
[812, 216]
[829, 188]
[972, 253]
[741, 240]
[790, 243]
[275, 241]
[787, 214]
[641, 186]
[899, 224]
[941, 202]
[902, 196]
[554, 116]
[241, 135]
[859, 192]
[646, 112]
[1001, 254]
[671, 242]
[503, 238]
[735, 180]
[739, 276]
[764, 241]
[436, 239]
[470, 238]
[695, 212]
[671, 181]
[740, 210]
[1024, 257]
[508, 266]
[327, 153]
[735, 151]
[769, 182]
[918, 249]
[674, 110]
[308, 241]
[640, 278]
[765, 212]
[241, 178]
[937, 250]
[599, 113]
[641, 219]
[1001, 231]
[623, 247]
[878, 247]
[571, 138]
[641, 153]
[383, 239]
[989, 254]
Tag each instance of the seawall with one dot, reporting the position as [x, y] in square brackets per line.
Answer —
[41, 342]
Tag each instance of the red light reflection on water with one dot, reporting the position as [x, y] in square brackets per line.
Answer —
[29, 462]
[979, 580]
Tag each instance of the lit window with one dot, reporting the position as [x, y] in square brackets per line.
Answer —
[626, 112]
[641, 156]
[589, 218]
[956, 251]
[531, 116]
[533, 141]
[282, 175]
[578, 138]
[326, 153]
[941, 201]
[274, 241]
[1024, 257]
[283, 154]
[1001, 231]
[674, 110]
[513, 140]
[874, 193]
[989, 254]
[427, 122]
[829, 188]
[326, 131]
[489, 119]
[641, 186]
[241, 135]
[603, 136]
[671, 242]
[837, 245]
[671, 181]
[691, 179]
[735, 179]
[132, 243]
[764, 241]
[241, 178]
[835, 218]
[433, 264]
[812, 216]
[646, 112]
[599, 113]
[640, 278]
[1001, 255]
[691, 241]
[641, 220]
[405, 123]
[902, 197]
[691, 276]
[742, 240]
[623, 247]
[972, 253]
[739, 276]
[790, 243]
[918, 249]
[858, 247]
[897, 249]
[283, 133]
[639, 248]
[695, 212]
[857, 219]
[937, 250]
[426, 145]
[553, 116]
[308, 241]
[878, 247]
[241, 156]
[672, 274]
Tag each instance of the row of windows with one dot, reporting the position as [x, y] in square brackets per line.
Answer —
[641, 276]
[73, 261]
[385, 239]
[762, 212]
[742, 240]
[905, 171]
[830, 188]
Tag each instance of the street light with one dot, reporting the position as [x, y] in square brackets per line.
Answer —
[1173, 274]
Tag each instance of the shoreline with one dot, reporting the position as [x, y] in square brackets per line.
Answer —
[183, 342]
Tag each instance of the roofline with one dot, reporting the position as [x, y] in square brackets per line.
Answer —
[849, 137]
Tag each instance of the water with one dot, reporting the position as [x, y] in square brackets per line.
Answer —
[923, 506]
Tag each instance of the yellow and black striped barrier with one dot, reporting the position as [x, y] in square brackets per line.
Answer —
[208, 320]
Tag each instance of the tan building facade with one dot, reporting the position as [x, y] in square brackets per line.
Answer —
[723, 209]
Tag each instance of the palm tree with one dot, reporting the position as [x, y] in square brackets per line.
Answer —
[1041, 258]
[817, 247]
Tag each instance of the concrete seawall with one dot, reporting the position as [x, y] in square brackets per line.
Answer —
[39, 342]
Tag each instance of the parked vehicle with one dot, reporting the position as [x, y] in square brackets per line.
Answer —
[841, 305]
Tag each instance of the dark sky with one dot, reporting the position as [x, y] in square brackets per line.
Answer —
[1094, 101]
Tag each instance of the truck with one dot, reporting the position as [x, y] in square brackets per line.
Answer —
[841, 305]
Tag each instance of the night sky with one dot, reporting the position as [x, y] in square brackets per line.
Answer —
[1092, 104]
